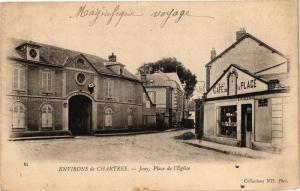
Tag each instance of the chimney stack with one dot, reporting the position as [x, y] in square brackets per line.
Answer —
[112, 58]
[213, 54]
[240, 33]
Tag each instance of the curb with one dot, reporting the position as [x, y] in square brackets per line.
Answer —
[135, 133]
[40, 138]
[226, 152]
[125, 134]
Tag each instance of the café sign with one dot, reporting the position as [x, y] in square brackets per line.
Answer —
[236, 82]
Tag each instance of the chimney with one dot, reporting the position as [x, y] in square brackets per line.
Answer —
[213, 54]
[112, 58]
[240, 33]
[208, 77]
[143, 77]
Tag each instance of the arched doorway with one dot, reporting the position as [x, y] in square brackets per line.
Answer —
[80, 115]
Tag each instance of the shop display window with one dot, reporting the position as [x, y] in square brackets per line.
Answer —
[228, 123]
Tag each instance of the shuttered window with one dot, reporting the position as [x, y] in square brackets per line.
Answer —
[47, 116]
[232, 84]
[47, 78]
[108, 117]
[130, 117]
[108, 89]
[18, 115]
[19, 79]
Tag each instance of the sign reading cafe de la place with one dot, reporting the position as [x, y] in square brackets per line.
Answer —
[240, 82]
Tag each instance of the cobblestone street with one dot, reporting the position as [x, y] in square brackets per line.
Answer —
[155, 147]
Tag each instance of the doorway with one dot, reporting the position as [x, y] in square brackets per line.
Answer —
[246, 125]
[80, 110]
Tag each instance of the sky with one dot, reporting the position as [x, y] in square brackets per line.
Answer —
[188, 35]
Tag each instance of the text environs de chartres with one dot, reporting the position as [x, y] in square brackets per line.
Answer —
[221, 87]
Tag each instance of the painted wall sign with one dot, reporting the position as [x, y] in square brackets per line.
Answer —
[245, 83]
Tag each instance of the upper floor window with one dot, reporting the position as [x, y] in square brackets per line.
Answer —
[108, 89]
[19, 79]
[18, 115]
[47, 77]
[232, 84]
[152, 96]
[130, 91]
[47, 116]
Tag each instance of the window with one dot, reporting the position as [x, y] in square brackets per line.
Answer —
[19, 79]
[130, 91]
[80, 78]
[18, 115]
[130, 117]
[47, 81]
[108, 89]
[228, 123]
[232, 84]
[47, 116]
[80, 61]
[108, 117]
[152, 96]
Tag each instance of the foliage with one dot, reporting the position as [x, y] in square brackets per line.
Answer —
[172, 65]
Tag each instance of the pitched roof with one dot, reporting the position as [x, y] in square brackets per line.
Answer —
[247, 35]
[59, 56]
[282, 79]
[163, 80]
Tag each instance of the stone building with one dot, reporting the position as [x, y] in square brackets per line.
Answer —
[166, 91]
[55, 91]
[247, 95]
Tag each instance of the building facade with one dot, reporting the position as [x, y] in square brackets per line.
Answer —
[56, 90]
[247, 95]
[166, 91]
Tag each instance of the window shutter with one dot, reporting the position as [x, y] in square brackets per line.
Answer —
[44, 81]
[15, 78]
[49, 118]
[106, 88]
[218, 121]
[22, 78]
[49, 88]
[111, 88]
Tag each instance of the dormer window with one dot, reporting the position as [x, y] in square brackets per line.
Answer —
[33, 53]
[29, 51]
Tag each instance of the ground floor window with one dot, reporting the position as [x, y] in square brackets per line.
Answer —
[18, 115]
[47, 116]
[228, 123]
[130, 117]
[108, 117]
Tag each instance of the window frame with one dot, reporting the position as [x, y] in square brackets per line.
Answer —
[19, 79]
[108, 89]
[130, 114]
[224, 124]
[18, 104]
[110, 115]
[49, 106]
[45, 87]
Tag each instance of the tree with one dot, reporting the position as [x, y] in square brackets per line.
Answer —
[172, 65]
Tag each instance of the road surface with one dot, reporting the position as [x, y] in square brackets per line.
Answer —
[155, 147]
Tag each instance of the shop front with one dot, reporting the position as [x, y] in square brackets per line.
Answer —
[243, 111]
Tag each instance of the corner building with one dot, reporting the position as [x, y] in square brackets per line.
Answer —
[247, 97]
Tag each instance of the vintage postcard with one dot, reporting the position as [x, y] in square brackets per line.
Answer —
[146, 96]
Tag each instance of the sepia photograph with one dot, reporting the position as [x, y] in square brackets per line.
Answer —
[149, 96]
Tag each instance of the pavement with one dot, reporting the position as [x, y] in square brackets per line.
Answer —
[41, 137]
[226, 149]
